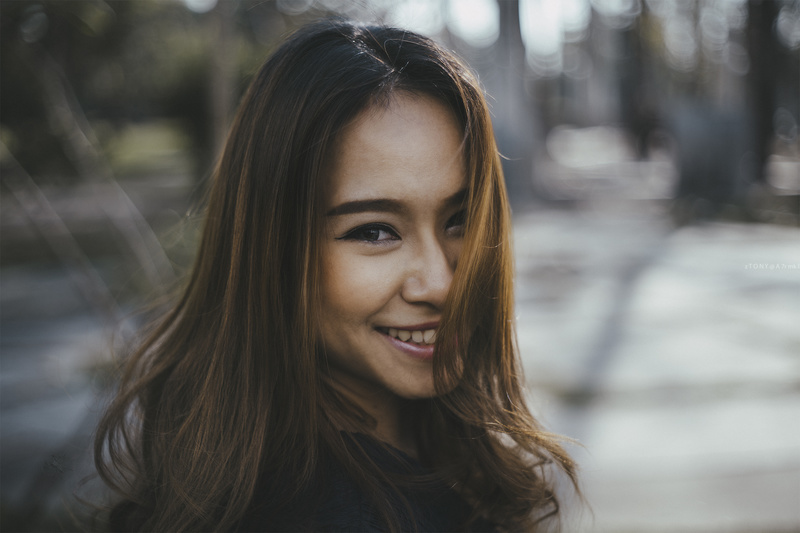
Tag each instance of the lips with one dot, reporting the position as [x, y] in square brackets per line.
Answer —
[415, 341]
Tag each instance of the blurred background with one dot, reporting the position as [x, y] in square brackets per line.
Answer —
[653, 162]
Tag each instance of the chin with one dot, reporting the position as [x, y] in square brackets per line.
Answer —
[421, 391]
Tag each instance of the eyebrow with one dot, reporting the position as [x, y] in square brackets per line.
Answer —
[385, 205]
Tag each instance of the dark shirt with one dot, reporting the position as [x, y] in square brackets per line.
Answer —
[343, 506]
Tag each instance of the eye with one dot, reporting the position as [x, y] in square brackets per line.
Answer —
[375, 233]
[455, 224]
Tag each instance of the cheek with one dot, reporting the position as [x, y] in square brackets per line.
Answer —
[354, 287]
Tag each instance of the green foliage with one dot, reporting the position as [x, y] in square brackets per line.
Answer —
[128, 61]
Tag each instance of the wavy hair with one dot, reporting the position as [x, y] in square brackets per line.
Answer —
[230, 384]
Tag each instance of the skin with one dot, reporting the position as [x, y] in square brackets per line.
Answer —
[390, 264]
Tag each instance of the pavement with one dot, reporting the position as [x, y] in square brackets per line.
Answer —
[672, 355]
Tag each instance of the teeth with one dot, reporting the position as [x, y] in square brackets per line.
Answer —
[420, 337]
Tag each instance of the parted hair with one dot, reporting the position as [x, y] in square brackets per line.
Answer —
[230, 385]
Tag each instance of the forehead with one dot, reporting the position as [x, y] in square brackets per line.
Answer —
[410, 148]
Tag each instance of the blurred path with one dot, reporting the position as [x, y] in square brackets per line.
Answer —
[673, 357]
[49, 344]
[55, 342]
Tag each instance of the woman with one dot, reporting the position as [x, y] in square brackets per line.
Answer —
[343, 356]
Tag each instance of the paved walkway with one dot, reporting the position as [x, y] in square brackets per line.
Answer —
[673, 356]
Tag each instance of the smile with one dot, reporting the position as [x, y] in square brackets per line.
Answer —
[415, 343]
[427, 336]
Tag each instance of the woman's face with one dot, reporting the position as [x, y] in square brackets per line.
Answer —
[394, 229]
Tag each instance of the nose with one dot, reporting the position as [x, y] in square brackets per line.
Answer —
[430, 274]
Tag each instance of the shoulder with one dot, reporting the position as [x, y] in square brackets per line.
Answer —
[338, 503]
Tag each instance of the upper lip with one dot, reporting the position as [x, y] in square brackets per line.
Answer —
[417, 327]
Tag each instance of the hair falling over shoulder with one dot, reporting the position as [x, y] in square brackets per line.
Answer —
[229, 386]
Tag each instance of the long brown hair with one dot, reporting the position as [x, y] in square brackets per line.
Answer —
[230, 385]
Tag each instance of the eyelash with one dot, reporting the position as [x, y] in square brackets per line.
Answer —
[458, 220]
[358, 234]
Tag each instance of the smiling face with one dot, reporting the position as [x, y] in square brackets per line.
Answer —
[394, 229]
